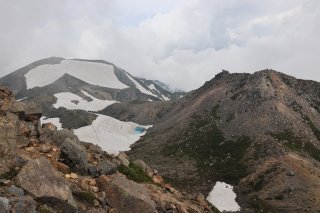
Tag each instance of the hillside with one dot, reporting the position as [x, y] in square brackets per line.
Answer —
[43, 169]
[259, 132]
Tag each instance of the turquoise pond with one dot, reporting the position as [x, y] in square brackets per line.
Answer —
[139, 129]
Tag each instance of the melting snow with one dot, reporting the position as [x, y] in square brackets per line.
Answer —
[69, 100]
[90, 72]
[223, 197]
[152, 87]
[54, 121]
[141, 88]
[110, 134]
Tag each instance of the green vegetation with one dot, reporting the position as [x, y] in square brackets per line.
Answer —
[86, 197]
[260, 205]
[296, 144]
[313, 127]
[216, 157]
[290, 140]
[135, 173]
[214, 111]
[257, 186]
[313, 151]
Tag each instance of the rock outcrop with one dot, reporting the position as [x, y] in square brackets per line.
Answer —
[39, 178]
[128, 196]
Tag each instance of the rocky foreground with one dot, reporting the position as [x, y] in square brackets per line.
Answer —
[45, 170]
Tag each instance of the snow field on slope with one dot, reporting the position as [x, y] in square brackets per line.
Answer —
[152, 87]
[54, 121]
[141, 88]
[93, 73]
[223, 197]
[69, 100]
[112, 135]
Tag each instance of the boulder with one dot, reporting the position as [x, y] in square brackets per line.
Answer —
[74, 155]
[15, 191]
[24, 128]
[5, 92]
[4, 205]
[18, 108]
[23, 205]
[124, 159]
[127, 196]
[49, 126]
[105, 167]
[61, 135]
[8, 137]
[40, 179]
[33, 112]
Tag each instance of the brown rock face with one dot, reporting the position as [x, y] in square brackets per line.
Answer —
[40, 179]
[128, 196]
[8, 135]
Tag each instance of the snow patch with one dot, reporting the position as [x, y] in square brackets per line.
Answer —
[93, 73]
[112, 135]
[223, 197]
[69, 100]
[54, 121]
[152, 87]
[141, 88]
[165, 98]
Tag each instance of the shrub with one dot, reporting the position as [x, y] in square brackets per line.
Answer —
[135, 173]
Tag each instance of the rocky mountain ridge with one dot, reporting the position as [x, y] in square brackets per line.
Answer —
[258, 132]
[43, 169]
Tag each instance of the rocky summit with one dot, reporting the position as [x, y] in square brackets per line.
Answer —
[259, 132]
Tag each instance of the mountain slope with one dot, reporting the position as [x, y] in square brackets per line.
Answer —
[96, 74]
[72, 91]
[259, 132]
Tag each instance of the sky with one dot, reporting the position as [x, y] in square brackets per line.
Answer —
[180, 42]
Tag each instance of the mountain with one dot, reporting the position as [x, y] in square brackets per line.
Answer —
[104, 79]
[258, 132]
[72, 91]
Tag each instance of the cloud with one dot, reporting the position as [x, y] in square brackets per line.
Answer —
[183, 43]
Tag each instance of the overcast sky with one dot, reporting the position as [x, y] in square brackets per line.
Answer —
[180, 42]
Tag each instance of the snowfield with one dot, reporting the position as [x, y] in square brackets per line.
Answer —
[223, 197]
[110, 134]
[69, 100]
[141, 88]
[54, 121]
[93, 73]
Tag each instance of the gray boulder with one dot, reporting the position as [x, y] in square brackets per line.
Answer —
[106, 167]
[23, 205]
[128, 196]
[74, 155]
[15, 191]
[33, 111]
[40, 179]
[61, 135]
[4, 205]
